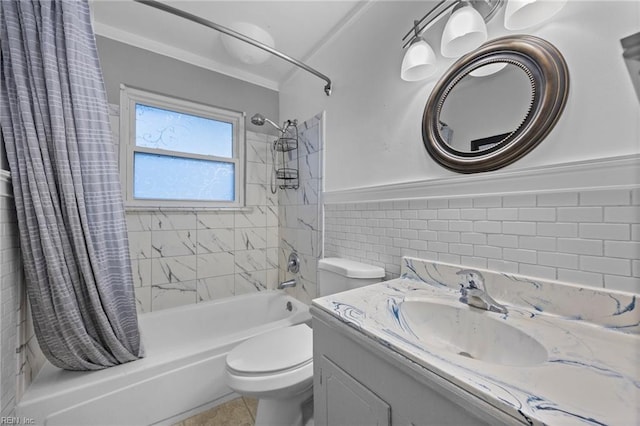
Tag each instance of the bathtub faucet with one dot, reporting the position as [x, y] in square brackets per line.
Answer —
[287, 284]
[474, 293]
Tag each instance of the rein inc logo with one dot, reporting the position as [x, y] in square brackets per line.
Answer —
[17, 421]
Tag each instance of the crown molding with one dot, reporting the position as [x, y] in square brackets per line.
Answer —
[135, 40]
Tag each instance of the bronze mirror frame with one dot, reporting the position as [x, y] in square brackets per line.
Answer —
[549, 76]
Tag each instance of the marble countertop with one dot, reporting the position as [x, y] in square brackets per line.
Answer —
[592, 337]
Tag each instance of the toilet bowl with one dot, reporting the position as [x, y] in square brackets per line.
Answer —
[277, 367]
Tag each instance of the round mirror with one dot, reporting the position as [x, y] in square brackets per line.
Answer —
[480, 112]
[495, 104]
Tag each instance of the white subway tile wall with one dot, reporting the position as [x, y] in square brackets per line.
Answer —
[589, 238]
[20, 356]
[9, 303]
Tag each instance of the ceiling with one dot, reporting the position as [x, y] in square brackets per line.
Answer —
[299, 28]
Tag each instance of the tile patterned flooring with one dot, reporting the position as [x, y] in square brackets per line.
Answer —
[237, 412]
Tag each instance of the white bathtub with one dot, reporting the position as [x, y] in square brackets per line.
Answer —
[183, 370]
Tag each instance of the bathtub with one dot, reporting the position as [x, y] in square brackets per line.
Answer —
[182, 373]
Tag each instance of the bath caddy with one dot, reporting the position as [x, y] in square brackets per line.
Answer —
[288, 177]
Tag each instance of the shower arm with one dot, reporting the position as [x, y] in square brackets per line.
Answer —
[280, 129]
[239, 36]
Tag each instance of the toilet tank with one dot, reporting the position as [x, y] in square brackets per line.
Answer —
[336, 275]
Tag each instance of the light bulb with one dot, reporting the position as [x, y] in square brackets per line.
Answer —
[419, 61]
[521, 14]
[465, 30]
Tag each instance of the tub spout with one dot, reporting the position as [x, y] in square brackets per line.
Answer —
[287, 284]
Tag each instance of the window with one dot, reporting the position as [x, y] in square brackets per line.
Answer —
[175, 153]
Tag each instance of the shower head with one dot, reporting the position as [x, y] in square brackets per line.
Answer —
[259, 120]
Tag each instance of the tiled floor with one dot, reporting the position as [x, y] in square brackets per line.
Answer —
[237, 412]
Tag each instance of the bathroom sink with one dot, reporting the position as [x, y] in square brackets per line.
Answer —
[471, 333]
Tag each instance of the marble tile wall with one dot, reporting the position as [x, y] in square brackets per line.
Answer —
[181, 258]
[186, 257]
[589, 238]
[300, 211]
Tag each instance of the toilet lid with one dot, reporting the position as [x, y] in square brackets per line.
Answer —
[277, 350]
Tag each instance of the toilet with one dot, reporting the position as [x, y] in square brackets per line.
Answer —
[277, 367]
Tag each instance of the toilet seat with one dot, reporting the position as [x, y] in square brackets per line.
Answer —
[277, 361]
[272, 352]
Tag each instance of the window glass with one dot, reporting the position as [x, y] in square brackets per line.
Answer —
[179, 154]
[164, 177]
[175, 131]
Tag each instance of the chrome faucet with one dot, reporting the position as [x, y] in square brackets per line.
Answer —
[287, 284]
[293, 266]
[474, 293]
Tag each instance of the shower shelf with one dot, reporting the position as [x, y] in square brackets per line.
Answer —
[288, 177]
[287, 174]
[286, 144]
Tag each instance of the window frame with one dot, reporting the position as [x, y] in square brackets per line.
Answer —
[129, 97]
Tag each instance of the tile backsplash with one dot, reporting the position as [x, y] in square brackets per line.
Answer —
[589, 238]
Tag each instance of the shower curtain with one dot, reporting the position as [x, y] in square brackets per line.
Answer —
[55, 125]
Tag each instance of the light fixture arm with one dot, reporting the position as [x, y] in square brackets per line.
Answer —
[487, 9]
[430, 17]
[416, 37]
[416, 24]
[239, 36]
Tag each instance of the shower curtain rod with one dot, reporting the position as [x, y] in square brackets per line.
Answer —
[239, 36]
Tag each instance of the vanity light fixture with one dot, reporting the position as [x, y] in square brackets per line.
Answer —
[466, 29]
[420, 60]
[522, 14]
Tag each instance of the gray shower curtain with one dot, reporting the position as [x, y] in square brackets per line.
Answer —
[55, 125]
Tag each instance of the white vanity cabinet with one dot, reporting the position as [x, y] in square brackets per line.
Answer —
[358, 381]
[346, 401]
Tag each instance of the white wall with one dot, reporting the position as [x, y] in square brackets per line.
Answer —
[373, 134]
